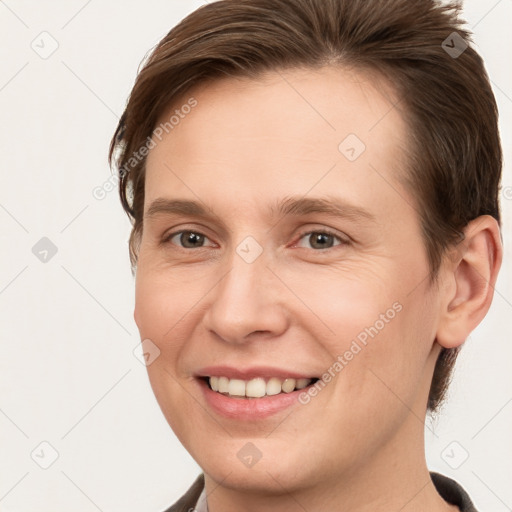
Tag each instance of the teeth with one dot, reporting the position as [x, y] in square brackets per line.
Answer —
[236, 387]
[302, 383]
[274, 386]
[256, 388]
[288, 385]
[223, 385]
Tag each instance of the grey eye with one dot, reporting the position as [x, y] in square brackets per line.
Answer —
[320, 240]
[188, 239]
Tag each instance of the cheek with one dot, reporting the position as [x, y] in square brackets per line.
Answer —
[344, 302]
[163, 299]
[391, 369]
[161, 308]
[382, 331]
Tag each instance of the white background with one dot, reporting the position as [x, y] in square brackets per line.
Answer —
[68, 375]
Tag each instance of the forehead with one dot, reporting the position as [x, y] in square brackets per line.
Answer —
[283, 131]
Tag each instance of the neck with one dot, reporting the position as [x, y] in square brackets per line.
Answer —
[396, 478]
[393, 477]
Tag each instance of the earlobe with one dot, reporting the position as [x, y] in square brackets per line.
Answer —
[473, 272]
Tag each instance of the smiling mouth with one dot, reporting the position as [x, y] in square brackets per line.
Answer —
[256, 388]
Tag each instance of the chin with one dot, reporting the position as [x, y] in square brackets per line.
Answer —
[267, 479]
[258, 466]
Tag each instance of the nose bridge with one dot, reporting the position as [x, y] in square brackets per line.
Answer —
[245, 300]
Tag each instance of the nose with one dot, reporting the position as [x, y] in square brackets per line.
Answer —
[247, 303]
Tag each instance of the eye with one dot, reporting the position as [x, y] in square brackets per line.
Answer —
[187, 239]
[321, 239]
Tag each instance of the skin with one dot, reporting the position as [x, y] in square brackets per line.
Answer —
[358, 445]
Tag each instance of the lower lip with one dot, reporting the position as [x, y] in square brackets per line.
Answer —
[249, 408]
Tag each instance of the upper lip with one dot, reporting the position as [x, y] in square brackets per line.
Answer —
[252, 372]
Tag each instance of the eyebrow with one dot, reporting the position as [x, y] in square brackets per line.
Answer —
[294, 205]
[332, 206]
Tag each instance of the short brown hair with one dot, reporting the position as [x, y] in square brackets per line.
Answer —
[420, 46]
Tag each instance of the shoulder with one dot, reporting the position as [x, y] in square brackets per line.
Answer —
[449, 489]
[452, 492]
[188, 501]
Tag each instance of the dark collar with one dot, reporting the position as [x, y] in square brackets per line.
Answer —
[188, 501]
[452, 492]
[449, 489]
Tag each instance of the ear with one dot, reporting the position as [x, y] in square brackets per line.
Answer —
[470, 274]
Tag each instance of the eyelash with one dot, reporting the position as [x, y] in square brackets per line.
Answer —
[342, 241]
[322, 232]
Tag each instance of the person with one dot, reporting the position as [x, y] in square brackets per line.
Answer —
[313, 186]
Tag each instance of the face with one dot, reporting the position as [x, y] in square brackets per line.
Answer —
[279, 246]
